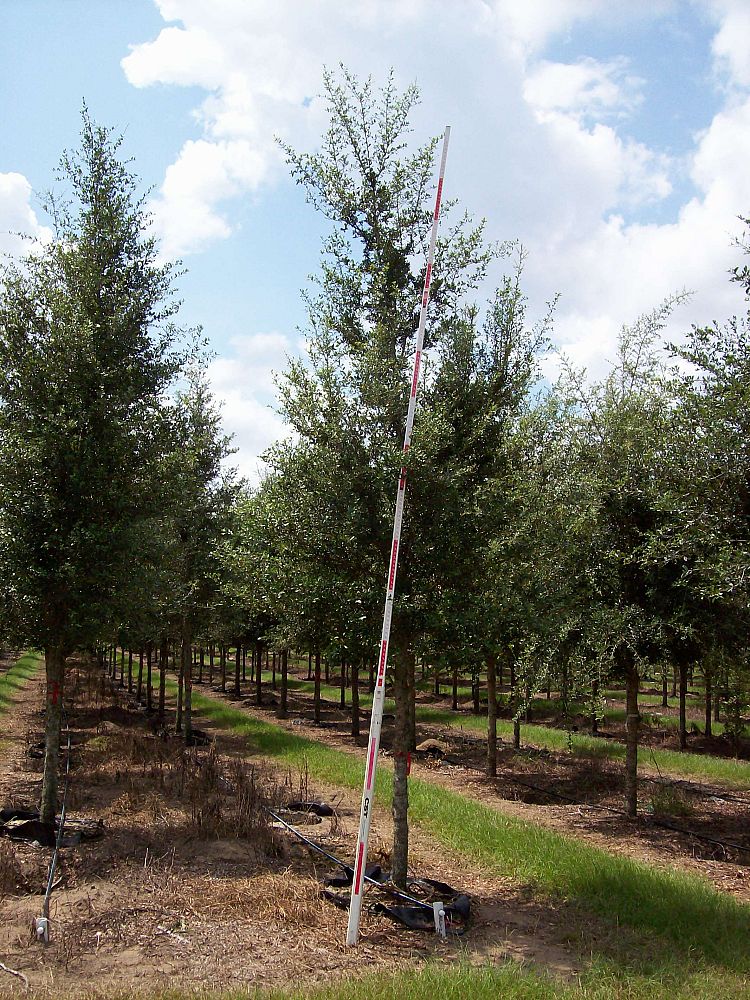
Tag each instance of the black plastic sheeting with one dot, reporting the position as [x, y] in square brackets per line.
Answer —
[25, 825]
[425, 891]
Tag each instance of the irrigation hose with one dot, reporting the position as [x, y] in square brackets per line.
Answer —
[390, 890]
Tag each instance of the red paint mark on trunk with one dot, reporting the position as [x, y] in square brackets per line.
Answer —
[392, 574]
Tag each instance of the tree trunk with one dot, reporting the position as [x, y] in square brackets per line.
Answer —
[130, 671]
[342, 686]
[223, 667]
[309, 665]
[328, 669]
[122, 667]
[371, 679]
[631, 732]
[187, 680]
[355, 699]
[491, 716]
[707, 681]
[400, 853]
[683, 699]
[282, 712]
[180, 689]
[139, 687]
[201, 664]
[674, 680]
[437, 680]
[594, 699]
[259, 674]
[244, 663]
[664, 698]
[317, 686]
[149, 663]
[454, 702]
[475, 690]
[411, 704]
[55, 670]
[163, 661]
[273, 670]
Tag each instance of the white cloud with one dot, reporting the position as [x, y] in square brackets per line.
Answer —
[539, 147]
[587, 88]
[17, 217]
[731, 44]
[242, 383]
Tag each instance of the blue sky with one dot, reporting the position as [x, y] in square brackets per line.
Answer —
[611, 136]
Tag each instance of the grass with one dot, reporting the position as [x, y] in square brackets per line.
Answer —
[721, 770]
[14, 680]
[700, 923]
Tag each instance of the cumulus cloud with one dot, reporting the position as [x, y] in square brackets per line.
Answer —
[19, 226]
[242, 383]
[550, 152]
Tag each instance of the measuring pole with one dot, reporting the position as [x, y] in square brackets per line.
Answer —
[376, 719]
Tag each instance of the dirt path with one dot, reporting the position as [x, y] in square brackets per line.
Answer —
[164, 899]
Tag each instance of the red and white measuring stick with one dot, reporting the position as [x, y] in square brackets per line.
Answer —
[376, 719]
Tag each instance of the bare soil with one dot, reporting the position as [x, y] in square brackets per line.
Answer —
[187, 884]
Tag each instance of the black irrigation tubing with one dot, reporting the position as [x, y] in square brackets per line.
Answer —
[396, 893]
[58, 842]
[619, 812]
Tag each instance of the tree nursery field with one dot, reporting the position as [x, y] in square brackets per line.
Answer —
[173, 875]
[558, 801]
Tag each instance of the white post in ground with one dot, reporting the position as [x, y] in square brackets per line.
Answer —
[376, 718]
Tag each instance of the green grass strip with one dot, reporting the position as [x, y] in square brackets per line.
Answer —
[15, 679]
[722, 770]
[699, 921]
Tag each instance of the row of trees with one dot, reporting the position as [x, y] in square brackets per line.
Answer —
[563, 536]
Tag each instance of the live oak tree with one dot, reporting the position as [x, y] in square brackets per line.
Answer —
[363, 317]
[86, 353]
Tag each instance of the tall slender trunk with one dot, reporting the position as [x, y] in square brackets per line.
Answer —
[309, 665]
[317, 686]
[491, 715]
[355, 699]
[201, 664]
[400, 853]
[342, 686]
[130, 671]
[122, 667]
[139, 687]
[594, 707]
[475, 690]
[674, 680]
[244, 663]
[632, 723]
[284, 655]
[187, 679]
[707, 681]
[237, 667]
[223, 667]
[437, 680]
[211, 651]
[163, 662]
[180, 692]
[258, 674]
[683, 702]
[664, 696]
[328, 669]
[411, 698]
[55, 670]
[273, 670]
[149, 662]
[371, 678]
[454, 702]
